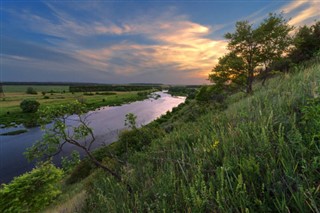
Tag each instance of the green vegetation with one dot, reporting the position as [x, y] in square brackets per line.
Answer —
[11, 113]
[57, 136]
[39, 88]
[225, 151]
[307, 44]
[122, 88]
[188, 91]
[29, 106]
[31, 91]
[32, 191]
[16, 132]
[250, 48]
[257, 153]
[261, 154]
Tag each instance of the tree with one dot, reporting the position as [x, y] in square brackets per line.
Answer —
[306, 43]
[130, 121]
[29, 106]
[31, 90]
[229, 72]
[275, 41]
[69, 126]
[255, 47]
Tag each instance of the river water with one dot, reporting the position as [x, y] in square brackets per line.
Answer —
[106, 122]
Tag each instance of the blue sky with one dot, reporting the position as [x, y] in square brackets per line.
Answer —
[173, 42]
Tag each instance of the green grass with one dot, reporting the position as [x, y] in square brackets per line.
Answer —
[11, 113]
[261, 154]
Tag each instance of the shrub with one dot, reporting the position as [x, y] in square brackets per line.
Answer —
[29, 106]
[137, 139]
[81, 171]
[88, 93]
[31, 191]
[31, 91]
[46, 97]
[43, 93]
[68, 163]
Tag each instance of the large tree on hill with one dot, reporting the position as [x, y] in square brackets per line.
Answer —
[255, 47]
[229, 72]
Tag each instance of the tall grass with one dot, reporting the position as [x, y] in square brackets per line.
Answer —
[261, 154]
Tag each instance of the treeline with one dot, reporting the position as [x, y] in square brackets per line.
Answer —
[94, 88]
[189, 91]
[258, 53]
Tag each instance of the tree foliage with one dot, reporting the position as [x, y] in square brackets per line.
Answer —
[69, 126]
[229, 72]
[131, 121]
[249, 48]
[306, 43]
[31, 191]
[29, 106]
[31, 91]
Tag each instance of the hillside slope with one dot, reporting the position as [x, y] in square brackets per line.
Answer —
[260, 154]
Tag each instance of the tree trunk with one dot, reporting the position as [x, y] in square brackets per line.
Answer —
[249, 81]
[265, 75]
[97, 163]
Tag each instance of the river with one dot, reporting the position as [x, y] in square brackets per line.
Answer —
[106, 122]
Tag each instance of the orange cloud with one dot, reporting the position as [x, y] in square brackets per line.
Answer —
[302, 12]
[293, 6]
[183, 47]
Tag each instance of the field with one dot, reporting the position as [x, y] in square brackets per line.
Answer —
[11, 113]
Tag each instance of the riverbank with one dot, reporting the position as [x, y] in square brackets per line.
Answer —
[107, 122]
[259, 154]
[12, 115]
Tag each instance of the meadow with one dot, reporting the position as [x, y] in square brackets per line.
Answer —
[51, 95]
[256, 153]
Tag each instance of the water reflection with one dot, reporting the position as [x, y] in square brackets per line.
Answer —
[106, 122]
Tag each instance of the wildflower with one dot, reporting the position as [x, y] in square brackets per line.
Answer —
[215, 144]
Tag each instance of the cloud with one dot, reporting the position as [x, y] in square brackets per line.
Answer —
[307, 16]
[292, 6]
[179, 50]
[302, 12]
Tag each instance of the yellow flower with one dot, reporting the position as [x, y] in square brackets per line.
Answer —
[215, 144]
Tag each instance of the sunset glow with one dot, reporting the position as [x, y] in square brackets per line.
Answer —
[106, 42]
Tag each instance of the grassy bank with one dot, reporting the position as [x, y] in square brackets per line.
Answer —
[10, 111]
[254, 153]
[261, 154]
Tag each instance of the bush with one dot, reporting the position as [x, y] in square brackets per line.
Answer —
[80, 172]
[31, 91]
[137, 139]
[29, 106]
[69, 163]
[31, 191]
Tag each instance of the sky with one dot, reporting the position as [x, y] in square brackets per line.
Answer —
[142, 41]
